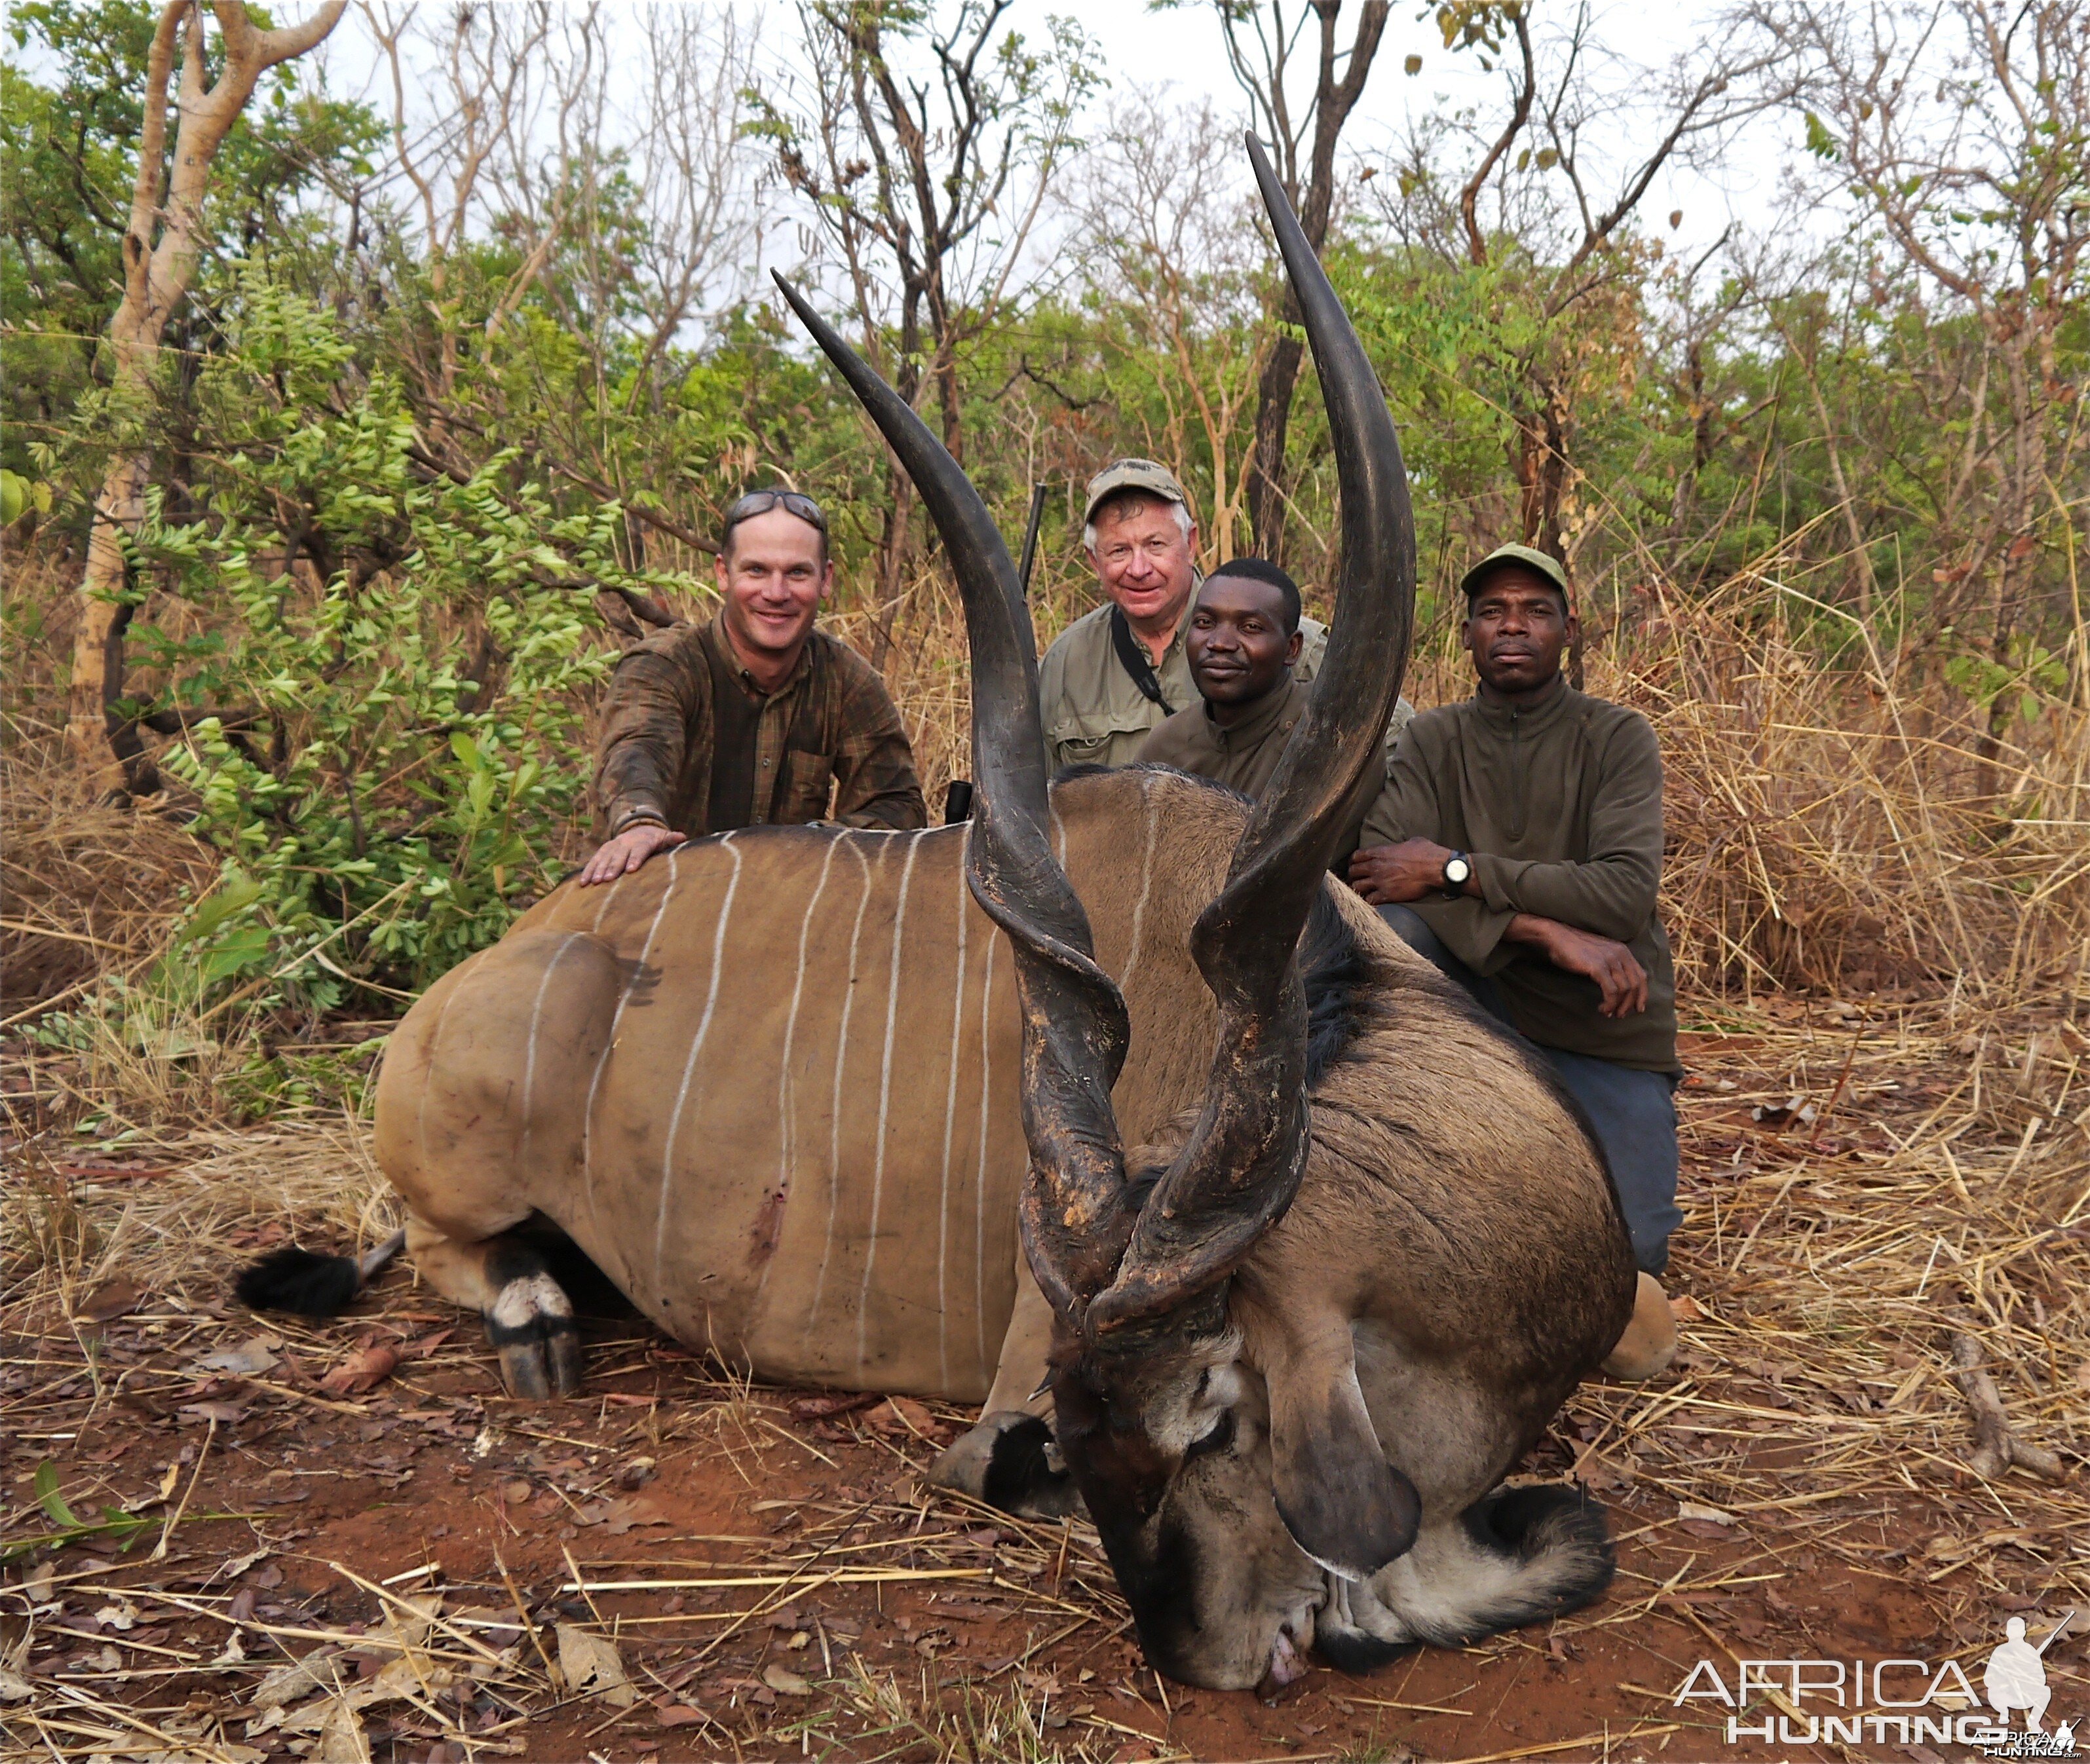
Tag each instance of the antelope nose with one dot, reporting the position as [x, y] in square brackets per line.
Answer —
[1287, 1666]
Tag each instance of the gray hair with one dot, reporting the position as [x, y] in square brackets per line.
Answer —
[1123, 501]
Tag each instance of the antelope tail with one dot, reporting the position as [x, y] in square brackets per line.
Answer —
[309, 1284]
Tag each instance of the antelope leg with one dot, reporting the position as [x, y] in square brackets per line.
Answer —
[1008, 1459]
[529, 1318]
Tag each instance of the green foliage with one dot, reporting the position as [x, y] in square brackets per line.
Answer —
[113, 1526]
[19, 494]
[401, 755]
[73, 143]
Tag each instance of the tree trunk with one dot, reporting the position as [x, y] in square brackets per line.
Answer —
[1273, 424]
[1334, 100]
[161, 245]
[98, 649]
[1542, 476]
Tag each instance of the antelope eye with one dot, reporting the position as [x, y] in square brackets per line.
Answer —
[1217, 1440]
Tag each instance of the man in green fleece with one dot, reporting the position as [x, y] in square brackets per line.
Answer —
[1518, 845]
[1243, 640]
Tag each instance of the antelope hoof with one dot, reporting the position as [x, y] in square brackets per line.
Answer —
[535, 1338]
[1649, 1342]
[1009, 1460]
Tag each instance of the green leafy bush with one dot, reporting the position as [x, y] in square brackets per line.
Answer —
[386, 739]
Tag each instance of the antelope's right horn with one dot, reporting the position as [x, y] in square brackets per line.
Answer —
[1241, 1165]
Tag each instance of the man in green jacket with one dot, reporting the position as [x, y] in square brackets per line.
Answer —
[1518, 845]
[1243, 641]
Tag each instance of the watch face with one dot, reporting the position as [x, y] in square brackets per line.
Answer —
[1456, 870]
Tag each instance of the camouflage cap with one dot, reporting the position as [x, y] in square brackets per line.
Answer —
[1536, 561]
[1148, 476]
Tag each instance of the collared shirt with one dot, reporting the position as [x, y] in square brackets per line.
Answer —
[1244, 757]
[1093, 713]
[1558, 803]
[672, 746]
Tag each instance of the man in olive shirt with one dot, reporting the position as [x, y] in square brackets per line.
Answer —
[755, 717]
[1117, 671]
[1242, 643]
[1242, 640]
[1518, 845]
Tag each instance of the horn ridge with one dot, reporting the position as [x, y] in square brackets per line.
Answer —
[1074, 1026]
[1241, 1165]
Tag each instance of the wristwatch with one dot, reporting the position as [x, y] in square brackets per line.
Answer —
[1458, 871]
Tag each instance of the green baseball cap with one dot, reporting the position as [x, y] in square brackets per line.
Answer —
[1536, 561]
[1147, 476]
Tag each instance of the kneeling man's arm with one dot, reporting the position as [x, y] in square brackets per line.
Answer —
[1399, 861]
[1615, 968]
[1611, 889]
[645, 727]
[876, 782]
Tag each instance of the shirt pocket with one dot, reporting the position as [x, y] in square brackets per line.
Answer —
[1102, 739]
[808, 781]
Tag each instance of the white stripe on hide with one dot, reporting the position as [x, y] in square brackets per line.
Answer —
[690, 1064]
[616, 1022]
[787, 1087]
[841, 1056]
[530, 1058]
[884, 1094]
[950, 1120]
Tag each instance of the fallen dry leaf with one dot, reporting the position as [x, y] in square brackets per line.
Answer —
[318, 1670]
[226, 1414]
[256, 1354]
[785, 1682]
[117, 1298]
[368, 1366]
[677, 1715]
[1686, 1309]
[408, 1677]
[622, 1515]
[903, 1414]
[341, 1738]
[840, 1403]
[592, 1666]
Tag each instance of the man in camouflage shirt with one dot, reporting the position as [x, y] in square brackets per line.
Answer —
[755, 717]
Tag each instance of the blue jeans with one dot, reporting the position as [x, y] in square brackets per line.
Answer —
[1633, 1112]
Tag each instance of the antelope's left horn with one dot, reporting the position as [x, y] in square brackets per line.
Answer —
[1074, 1026]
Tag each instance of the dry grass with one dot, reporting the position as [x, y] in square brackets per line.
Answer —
[1927, 1182]
[84, 889]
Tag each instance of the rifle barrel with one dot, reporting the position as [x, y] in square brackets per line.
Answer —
[1030, 538]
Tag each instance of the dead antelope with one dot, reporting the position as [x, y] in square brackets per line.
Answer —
[783, 1085]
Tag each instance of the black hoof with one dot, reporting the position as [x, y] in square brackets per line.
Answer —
[535, 1338]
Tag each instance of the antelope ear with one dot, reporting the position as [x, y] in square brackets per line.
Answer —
[1344, 1506]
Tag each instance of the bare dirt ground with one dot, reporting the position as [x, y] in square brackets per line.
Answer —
[197, 1497]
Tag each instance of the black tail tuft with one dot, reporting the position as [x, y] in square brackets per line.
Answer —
[311, 1284]
[1554, 1530]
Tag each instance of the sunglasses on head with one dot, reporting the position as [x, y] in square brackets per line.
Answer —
[762, 501]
